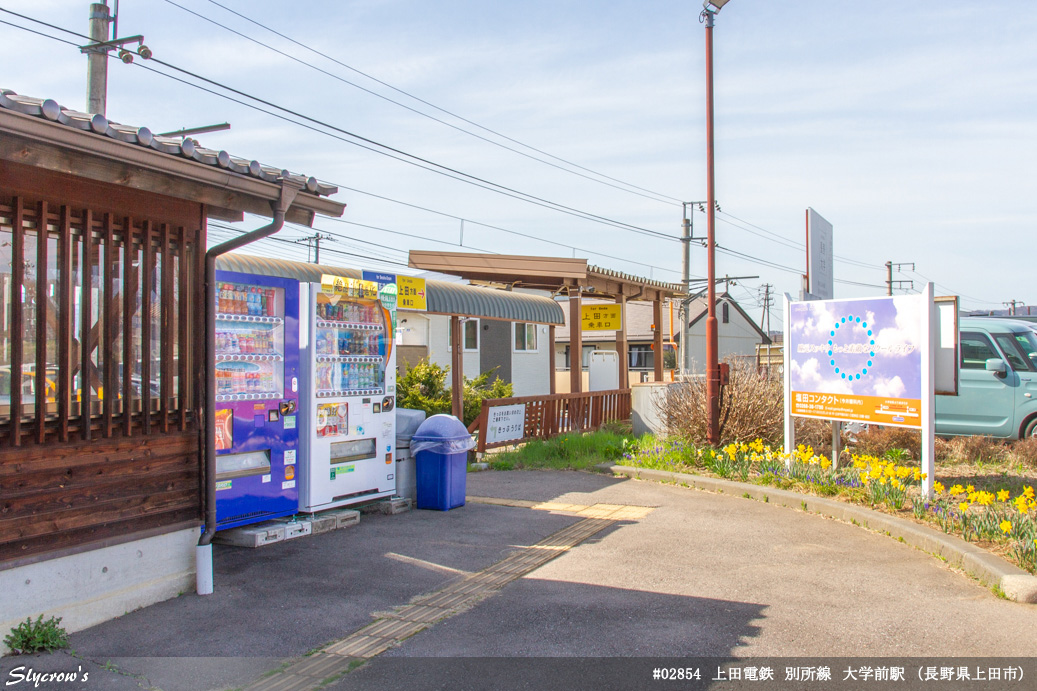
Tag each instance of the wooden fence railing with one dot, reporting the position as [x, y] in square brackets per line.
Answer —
[548, 416]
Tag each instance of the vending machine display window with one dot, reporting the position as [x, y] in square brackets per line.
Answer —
[249, 342]
[349, 346]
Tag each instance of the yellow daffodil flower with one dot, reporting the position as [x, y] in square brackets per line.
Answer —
[938, 487]
[963, 506]
[1006, 527]
[1002, 495]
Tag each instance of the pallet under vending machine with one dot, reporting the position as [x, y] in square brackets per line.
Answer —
[257, 398]
[348, 396]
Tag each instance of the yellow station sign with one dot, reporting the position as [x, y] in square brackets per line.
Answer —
[410, 293]
[601, 317]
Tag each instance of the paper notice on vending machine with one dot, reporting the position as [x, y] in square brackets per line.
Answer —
[224, 429]
[332, 419]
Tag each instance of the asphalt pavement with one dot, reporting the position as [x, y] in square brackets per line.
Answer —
[658, 572]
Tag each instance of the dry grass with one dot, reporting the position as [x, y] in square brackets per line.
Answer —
[751, 407]
[877, 441]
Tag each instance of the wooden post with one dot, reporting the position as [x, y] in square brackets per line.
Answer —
[551, 357]
[657, 317]
[575, 343]
[456, 368]
[621, 343]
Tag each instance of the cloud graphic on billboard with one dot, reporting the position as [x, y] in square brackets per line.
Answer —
[865, 347]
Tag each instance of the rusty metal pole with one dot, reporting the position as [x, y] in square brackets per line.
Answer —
[712, 342]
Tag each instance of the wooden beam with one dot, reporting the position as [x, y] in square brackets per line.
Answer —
[456, 368]
[41, 321]
[64, 322]
[17, 323]
[86, 321]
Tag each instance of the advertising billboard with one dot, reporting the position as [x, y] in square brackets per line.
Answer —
[858, 360]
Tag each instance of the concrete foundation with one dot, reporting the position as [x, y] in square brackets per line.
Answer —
[91, 587]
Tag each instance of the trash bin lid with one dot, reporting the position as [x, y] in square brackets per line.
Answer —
[441, 427]
[407, 422]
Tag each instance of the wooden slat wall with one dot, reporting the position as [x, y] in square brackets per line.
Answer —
[71, 473]
[41, 320]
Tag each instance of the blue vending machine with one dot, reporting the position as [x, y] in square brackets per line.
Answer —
[257, 398]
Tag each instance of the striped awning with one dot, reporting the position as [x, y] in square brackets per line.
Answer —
[443, 297]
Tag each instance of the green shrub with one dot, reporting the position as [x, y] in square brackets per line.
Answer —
[36, 636]
[424, 387]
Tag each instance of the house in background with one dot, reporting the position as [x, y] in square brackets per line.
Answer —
[501, 330]
[737, 334]
[639, 324]
[738, 337]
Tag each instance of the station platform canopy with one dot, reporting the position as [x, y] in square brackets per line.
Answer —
[443, 297]
[554, 274]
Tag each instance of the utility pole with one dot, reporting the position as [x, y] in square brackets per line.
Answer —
[97, 60]
[766, 316]
[97, 54]
[687, 237]
[1011, 307]
[315, 240]
[889, 276]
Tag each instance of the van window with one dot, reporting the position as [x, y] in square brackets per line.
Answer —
[1020, 349]
[976, 349]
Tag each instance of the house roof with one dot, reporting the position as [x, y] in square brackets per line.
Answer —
[699, 308]
[443, 297]
[43, 133]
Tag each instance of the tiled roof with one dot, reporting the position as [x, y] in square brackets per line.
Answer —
[174, 146]
[630, 278]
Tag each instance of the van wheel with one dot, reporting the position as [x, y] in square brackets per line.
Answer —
[1030, 430]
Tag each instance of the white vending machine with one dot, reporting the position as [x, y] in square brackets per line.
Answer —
[347, 395]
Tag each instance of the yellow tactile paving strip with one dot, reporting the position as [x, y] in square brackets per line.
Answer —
[339, 657]
[616, 512]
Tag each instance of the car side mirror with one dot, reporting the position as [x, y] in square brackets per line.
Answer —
[997, 366]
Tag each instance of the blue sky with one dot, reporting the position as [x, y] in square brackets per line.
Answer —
[910, 128]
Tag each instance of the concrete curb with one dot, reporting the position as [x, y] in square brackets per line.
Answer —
[985, 567]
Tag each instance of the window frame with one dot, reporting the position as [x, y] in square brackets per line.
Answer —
[526, 326]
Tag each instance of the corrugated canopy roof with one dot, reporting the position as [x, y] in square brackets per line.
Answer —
[443, 297]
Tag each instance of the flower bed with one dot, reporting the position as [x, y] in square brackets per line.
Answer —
[993, 517]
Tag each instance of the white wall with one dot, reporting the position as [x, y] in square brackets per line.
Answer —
[91, 587]
[737, 337]
[531, 371]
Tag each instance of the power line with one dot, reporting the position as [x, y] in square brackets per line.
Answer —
[672, 200]
[418, 161]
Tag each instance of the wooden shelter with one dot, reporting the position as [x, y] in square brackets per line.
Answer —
[574, 277]
[102, 242]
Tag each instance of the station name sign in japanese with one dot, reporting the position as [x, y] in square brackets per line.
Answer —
[601, 317]
[410, 293]
[858, 360]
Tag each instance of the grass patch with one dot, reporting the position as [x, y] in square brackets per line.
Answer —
[571, 451]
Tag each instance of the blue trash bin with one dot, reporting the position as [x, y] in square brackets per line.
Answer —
[440, 446]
